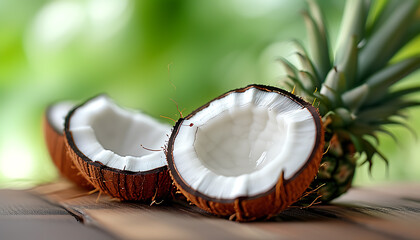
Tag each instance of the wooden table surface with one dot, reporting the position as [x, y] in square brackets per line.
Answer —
[62, 211]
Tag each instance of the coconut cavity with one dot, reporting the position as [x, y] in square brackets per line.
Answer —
[119, 150]
[118, 138]
[250, 152]
[258, 135]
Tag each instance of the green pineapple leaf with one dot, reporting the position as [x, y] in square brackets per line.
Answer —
[362, 129]
[401, 93]
[352, 26]
[308, 81]
[355, 97]
[347, 63]
[334, 86]
[291, 70]
[310, 69]
[386, 132]
[412, 31]
[392, 96]
[406, 126]
[369, 150]
[318, 45]
[380, 82]
[386, 39]
[318, 17]
[383, 112]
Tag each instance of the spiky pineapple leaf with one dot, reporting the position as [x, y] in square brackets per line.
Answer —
[292, 79]
[352, 26]
[310, 69]
[364, 146]
[324, 103]
[347, 63]
[413, 26]
[341, 119]
[383, 112]
[291, 70]
[319, 46]
[364, 129]
[390, 134]
[380, 82]
[384, 9]
[401, 93]
[333, 86]
[355, 97]
[318, 16]
[412, 31]
[404, 125]
[386, 39]
[298, 83]
[308, 81]
[392, 96]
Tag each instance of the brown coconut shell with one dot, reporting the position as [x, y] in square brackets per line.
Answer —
[149, 186]
[264, 205]
[57, 149]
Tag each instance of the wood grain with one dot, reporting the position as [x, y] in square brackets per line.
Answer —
[24, 215]
[363, 213]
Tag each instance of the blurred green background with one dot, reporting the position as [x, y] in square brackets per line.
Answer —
[142, 53]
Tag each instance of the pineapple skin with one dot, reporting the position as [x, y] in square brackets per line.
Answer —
[335, 174]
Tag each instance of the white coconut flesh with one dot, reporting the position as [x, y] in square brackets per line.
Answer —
[119, 138]
[57, 113]
[240, 144]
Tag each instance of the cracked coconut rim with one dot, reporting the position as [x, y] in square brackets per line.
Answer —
[56, 114]
[104, 133]
[240, 144]
[53, 127]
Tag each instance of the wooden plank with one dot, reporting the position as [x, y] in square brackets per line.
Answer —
[131, 220]
[325, 230]
[368, 213]
[63, 227]
[402, 190]
[25, 216]
[389, 209]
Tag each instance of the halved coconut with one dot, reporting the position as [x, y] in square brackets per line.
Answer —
[53, 125]
[119, 150]
[248, 154]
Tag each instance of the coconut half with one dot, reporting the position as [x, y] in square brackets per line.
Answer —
[248, 154]
[53, 126]
[119, 150]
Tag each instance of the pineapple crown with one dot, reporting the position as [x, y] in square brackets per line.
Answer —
[353, 88]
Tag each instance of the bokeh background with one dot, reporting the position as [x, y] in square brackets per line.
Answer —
[144, 53]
